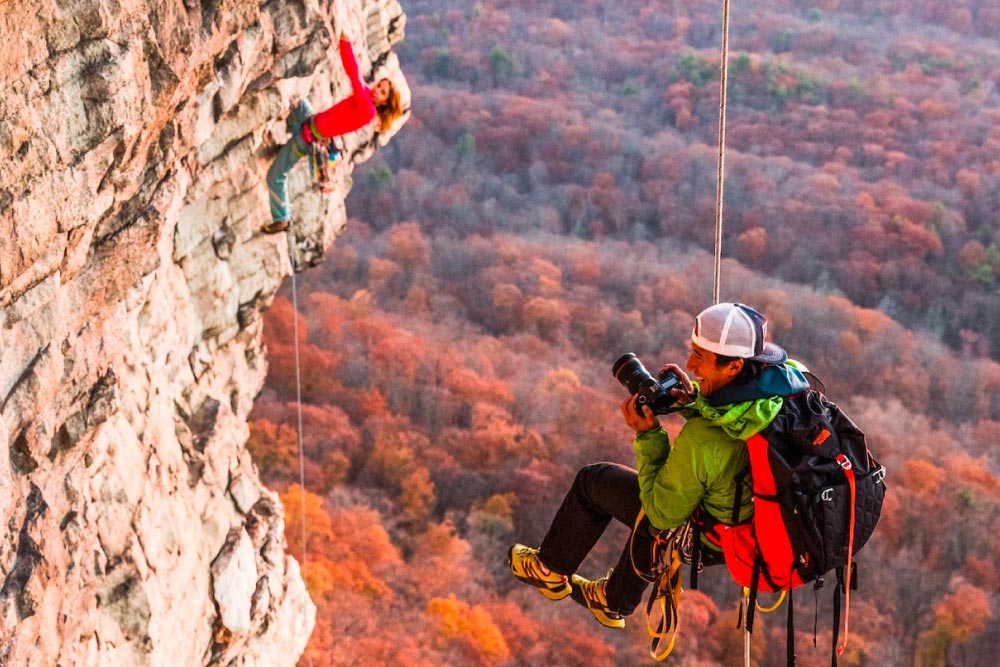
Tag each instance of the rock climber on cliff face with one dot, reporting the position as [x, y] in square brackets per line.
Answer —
[353, 113]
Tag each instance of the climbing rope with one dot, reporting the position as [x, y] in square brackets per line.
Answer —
[744, 610]
[298, 402]
[722, 151]
[716, 281]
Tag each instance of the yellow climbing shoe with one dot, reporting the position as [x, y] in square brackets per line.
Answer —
[591, 595]
[525, 565]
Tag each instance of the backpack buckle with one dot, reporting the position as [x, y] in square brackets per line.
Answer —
[879, 475]
[827, 495]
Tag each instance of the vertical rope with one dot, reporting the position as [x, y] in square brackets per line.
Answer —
[744, 610]
[298, 402]
[722, 150]
[716, 282]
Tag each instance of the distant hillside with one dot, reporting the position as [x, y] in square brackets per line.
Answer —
[862, 141]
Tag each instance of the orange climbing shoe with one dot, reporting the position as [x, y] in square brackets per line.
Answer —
[591, 595]
[525, 565]
[275, 227]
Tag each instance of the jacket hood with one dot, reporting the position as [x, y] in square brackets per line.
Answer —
[746, 409]
[775, 380]
[738, 420]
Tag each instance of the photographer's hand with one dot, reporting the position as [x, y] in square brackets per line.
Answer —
[640, 422]
[681, 397]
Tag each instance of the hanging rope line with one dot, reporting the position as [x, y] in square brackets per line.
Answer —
[298, 402]
[717, 278]
[744, 610]
[722, 151]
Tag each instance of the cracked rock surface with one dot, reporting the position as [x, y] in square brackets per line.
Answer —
[134, 139]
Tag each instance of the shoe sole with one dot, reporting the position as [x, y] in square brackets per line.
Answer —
[274, 228]
[551, 593]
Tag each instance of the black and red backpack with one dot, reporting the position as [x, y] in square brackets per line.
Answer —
[817, 493]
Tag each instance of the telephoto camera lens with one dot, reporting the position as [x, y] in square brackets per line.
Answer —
[648, 390]
[630, 372]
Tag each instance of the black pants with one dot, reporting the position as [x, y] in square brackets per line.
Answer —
[601, 492]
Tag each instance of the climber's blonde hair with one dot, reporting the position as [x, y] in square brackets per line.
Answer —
[389, 110]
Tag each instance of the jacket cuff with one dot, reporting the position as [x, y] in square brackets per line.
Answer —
[651, 442]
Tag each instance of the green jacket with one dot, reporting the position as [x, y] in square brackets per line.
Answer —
[700, 467]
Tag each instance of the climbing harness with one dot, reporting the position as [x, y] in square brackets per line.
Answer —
[298, 403]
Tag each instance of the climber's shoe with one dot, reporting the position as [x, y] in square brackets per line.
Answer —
[591, 595]
[275, 227]
[525, 565]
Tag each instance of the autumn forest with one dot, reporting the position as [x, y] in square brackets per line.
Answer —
[549, 206]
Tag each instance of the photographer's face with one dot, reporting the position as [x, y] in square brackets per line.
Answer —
[710, 376]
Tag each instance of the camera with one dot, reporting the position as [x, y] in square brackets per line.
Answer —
[654, 392]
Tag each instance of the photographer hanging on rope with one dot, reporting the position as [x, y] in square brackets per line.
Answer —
[739, 384]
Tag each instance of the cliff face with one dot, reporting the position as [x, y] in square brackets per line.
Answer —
[134, 139]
